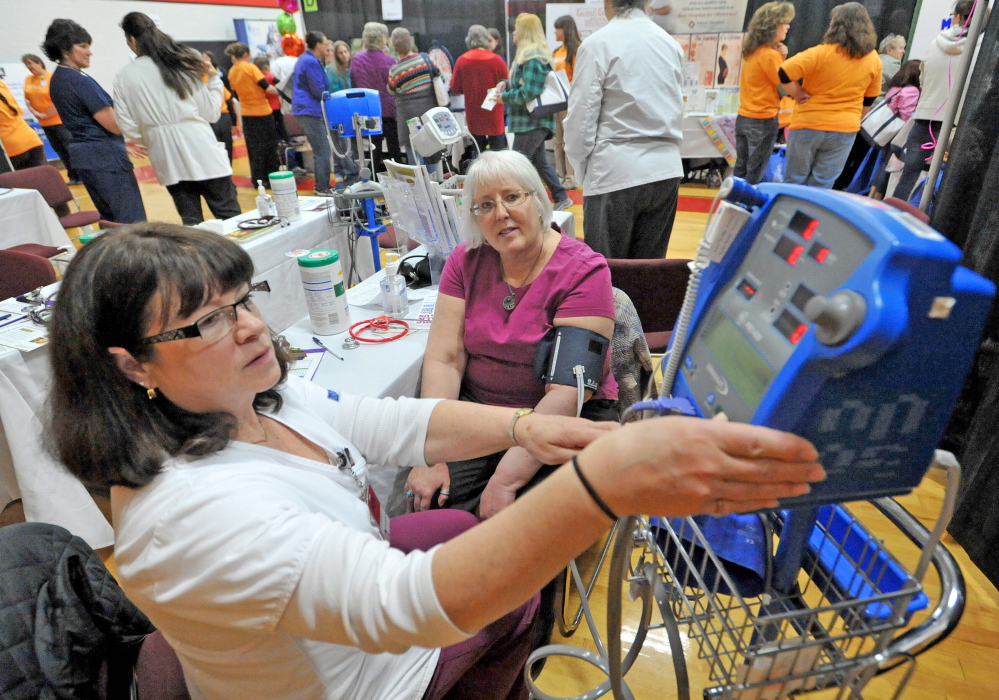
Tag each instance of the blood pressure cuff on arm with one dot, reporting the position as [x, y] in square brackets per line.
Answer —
[565, 347]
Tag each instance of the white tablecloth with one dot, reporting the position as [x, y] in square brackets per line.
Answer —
[696, 142]
[286, 302]
[26, 218]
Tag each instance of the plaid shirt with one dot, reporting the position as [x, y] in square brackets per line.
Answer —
[528, 82]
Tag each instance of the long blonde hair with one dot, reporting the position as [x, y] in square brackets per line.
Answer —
[531, 42]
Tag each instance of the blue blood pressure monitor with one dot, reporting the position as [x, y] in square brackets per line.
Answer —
[840, 319]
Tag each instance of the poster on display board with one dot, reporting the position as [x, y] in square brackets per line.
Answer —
[728, 65]
[589, 17]
[704, 52]
[261, 35]
[13, 75]
[391, 10]
[703, 16]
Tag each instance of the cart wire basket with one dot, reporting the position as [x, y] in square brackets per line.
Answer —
[836, 625]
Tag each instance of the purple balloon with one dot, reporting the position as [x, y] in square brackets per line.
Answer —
[288, 5]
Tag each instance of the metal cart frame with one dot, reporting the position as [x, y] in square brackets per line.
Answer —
[846, 619]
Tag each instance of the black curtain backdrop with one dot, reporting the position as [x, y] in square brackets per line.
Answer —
[966, 213]
[446, 21]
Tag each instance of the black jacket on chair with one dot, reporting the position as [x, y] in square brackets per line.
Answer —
[62, 615]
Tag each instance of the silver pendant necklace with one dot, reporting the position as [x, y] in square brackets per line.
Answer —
[510, 302]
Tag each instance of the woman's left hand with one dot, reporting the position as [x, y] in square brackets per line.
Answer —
[136, 150]
[495, 498]
[555, 439]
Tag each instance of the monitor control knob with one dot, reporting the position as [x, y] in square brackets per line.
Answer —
[837, 317]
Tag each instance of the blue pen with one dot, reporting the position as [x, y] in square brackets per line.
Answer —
[5, 317]
[318, 342]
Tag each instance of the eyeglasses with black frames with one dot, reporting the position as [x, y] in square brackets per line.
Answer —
[217, 324]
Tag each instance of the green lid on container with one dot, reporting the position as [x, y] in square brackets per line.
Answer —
[91, 235]
[318, 258]
[281, 175]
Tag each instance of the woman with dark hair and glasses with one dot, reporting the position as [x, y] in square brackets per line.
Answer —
[164, 105]
[244, 525]
[97, 148]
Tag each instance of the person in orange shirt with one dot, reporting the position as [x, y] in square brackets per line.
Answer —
[841, 78]
[223, 127]
[756, 125]
[251, 89]
[36, 94]
[22, 144]
[565, 58]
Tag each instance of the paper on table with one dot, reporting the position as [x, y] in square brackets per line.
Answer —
[423, 313]
[302, 368]
[24, 336]
[369, 293]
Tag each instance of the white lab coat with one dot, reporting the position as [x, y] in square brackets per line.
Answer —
[263, 569]
[625, 121]
[178, 133]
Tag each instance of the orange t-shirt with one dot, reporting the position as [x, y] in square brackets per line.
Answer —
[244, 76]
[838, 85]
[758, 96]
[36, 92]
[15, 133]
[226, 95]
[559, 57]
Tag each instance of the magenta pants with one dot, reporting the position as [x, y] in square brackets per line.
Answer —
[490, 665]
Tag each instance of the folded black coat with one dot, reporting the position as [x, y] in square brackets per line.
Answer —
[62, 615]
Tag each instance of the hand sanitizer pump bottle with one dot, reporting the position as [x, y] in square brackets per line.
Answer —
[395, 300]
[265, 205]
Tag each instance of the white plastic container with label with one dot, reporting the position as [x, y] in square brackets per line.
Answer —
[325, 291]
[285, 195]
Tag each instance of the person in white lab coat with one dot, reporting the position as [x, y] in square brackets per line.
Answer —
[623, 132]
[161, 103]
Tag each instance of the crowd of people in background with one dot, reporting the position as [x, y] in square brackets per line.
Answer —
[630, 197]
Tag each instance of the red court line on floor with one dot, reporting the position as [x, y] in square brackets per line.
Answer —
[700, 205]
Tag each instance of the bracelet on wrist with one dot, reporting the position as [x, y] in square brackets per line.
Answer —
[518, 414]
[592, 491]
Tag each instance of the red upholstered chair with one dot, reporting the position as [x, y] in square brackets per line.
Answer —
[158, 674]
[21, 272]
[48, 181]
[656, 288]
[903, 205]
[388, 239]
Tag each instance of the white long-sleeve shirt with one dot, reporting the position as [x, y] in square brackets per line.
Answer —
[625, 121]
[178, 133]
[264, 571]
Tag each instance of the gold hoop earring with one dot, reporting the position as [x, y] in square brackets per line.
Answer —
[151, 393]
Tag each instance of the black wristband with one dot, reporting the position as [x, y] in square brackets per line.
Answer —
[590, 490]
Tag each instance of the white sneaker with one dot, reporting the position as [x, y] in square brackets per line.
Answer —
[562, 204]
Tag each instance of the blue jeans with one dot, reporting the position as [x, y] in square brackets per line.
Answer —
[315, 131]
[754, 144]
[532, 144]
[816, 158]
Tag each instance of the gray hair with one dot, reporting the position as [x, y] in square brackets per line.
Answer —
[374, 36]
[486, 170]
[478, 37]
[402, 41]
[892, 41]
